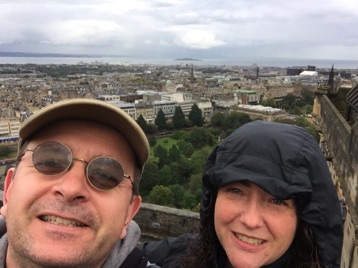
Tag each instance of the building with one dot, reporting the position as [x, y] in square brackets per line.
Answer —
[206, 109]
[309, 77]
[178, 96]
[146, 110]
[246, 96]
[9, 127]
[108, 98]
[262, 112]
[186, 106]
[129, 108]
[168, 108]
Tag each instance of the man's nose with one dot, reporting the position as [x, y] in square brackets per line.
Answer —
[72, 184]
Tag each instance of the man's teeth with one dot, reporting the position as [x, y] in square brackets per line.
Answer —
[249, 240]
[61, 221]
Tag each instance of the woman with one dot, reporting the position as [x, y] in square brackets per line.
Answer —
[268, 201]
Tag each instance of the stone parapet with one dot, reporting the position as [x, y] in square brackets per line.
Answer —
[340, 142]
[158, 222]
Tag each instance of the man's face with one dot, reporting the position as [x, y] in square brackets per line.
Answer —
[62, 220]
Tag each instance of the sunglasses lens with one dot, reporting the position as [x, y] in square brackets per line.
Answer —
[51, 158]
[105, 173]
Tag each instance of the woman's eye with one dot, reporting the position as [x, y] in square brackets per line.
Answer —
[234, 190]
[277, 201]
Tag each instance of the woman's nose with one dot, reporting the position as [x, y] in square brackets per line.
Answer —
[252, 214]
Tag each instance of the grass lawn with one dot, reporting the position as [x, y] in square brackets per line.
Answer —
[166, 142]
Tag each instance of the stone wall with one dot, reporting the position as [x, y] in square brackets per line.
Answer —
[158, 222]
[340, 141]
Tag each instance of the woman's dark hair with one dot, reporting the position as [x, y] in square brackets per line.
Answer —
[203, 248]
[304, 252]
[304, 248]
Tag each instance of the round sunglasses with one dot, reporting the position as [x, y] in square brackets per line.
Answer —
[53, 158]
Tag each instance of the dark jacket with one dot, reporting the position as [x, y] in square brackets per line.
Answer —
[287, 162]
[124, 255]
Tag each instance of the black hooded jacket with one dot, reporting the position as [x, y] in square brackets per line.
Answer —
[287, 162]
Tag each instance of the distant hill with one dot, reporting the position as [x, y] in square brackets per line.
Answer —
[189, 59]
[50, 55]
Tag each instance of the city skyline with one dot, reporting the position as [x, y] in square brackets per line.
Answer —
[181, 28]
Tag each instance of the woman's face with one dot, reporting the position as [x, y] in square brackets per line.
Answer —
[253, 227]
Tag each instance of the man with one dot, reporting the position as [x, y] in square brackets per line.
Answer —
[71, 198]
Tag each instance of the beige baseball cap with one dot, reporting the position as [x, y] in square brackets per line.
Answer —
[93, 110]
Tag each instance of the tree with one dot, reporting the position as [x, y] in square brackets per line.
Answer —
[198, 159]
[165, 176]
[269, 102]
[217, 119]
[308, 96]
[152, 141]
[170, 125]
[174, 153]
[186, 148]
[142, 123]
[188, 123]
[162, 154]
[296, 110]
[285, 121]
[178, 192]
[303, 122]
[161, 195]
[178, 118]
[160, 120]
[195, 116]
[151, 128]
[199, 137]
[179, 135]
[195, 184]
[5, 151]
[308, 109]
[150, 178]
[288, 100]
[186, 168]
[180, 171]
[235, 120]
[189, 201]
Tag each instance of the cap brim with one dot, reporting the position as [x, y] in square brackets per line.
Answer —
[93, 110]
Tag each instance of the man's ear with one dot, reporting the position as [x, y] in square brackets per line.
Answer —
[7, 185]
[132, 211]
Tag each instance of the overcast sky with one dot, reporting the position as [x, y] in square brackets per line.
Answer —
[202, 29]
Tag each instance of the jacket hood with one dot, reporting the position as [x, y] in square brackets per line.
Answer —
[287, 162]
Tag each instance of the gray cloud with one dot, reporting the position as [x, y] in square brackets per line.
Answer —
[179, 28]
